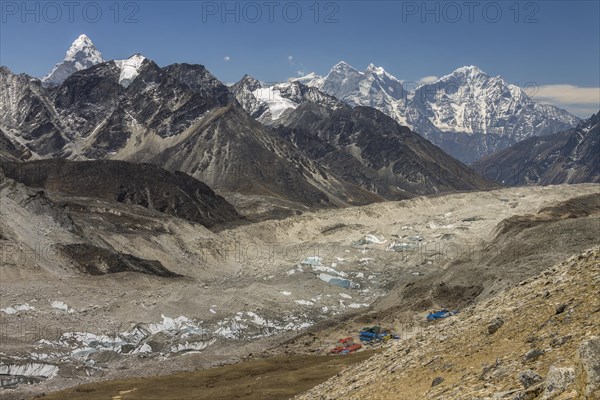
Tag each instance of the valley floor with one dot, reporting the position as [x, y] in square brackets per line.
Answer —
[264, 288]
[544, 348]
[272, 378]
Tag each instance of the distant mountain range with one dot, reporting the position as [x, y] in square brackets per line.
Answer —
[571, 156]
[467, 113]
[182, 118]
[342, 139]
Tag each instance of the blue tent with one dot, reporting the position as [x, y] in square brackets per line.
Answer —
[440, 314]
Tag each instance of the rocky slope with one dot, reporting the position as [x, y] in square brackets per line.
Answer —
[231, 152]
[28, 116]
[370, 149]
[572, 156]
[533, 341]
[10, 151]
[142, 185]
[520, 246]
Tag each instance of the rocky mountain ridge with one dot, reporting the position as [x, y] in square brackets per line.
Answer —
[182, 118]
[468, 113]
[571, 156]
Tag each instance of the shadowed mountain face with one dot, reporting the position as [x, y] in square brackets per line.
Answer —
[234, 153]
[143, 185]
[28, 115]
[572, 156]
[370, 149]
[10, 151]
[159, 102]
[94, 113]
[95, 260]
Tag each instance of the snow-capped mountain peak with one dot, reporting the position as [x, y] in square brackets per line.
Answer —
[130, 68]
[83, 44]
[470, 113]
[468, 72]
[81, 55]
[376, 70]
[250, 83]
[469, 69]
[342, 64]
[343, 68]
[373, 87]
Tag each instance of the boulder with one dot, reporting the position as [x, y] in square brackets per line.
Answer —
[588, 368]
[437, 381]
[529, 378]
[558, 380]
[494, 325]
[533, 354]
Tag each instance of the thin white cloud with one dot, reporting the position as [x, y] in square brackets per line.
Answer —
[580, 101]
[227, 58]
[567, 94]
[428, 79]
[581, 111]
[300, 73]
[291, 60]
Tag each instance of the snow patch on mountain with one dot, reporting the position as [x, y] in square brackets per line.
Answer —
[267, 103]
[311, 79]
[273, 98]
[59, 305]
[130, 69]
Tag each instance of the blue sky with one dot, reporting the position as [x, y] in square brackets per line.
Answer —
[551, 45]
